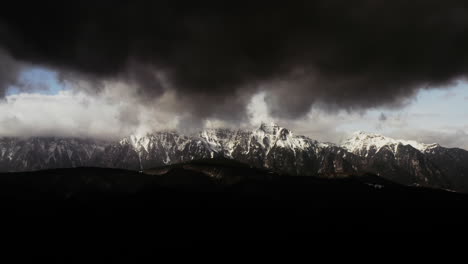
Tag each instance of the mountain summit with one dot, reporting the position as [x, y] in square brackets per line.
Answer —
[360, 142]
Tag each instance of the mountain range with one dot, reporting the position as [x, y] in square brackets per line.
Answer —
[268, 147]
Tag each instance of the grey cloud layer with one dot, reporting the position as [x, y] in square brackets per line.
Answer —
[9, 71]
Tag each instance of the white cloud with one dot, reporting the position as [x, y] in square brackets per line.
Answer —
[77, 114]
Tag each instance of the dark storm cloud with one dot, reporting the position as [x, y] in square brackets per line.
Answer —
[9, 70]
[341, 54]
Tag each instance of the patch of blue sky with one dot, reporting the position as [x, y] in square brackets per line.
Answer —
[37, 80]
[441, 108]
[433, 109]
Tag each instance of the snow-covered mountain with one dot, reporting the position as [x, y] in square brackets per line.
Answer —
[402, 161]
[269, 146]
[363, 143]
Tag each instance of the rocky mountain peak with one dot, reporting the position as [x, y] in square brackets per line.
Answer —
[270, 128]
[364, 141]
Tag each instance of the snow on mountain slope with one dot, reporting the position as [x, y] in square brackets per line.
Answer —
[271, 135]
[362, 142]
[402, 161]
[266, 137]
[220, 140]
[269, 146]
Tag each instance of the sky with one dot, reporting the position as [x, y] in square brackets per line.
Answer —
[322, 68]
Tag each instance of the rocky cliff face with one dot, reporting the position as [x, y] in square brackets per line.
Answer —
[453, 164]
[43, 153]
[270, 146]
